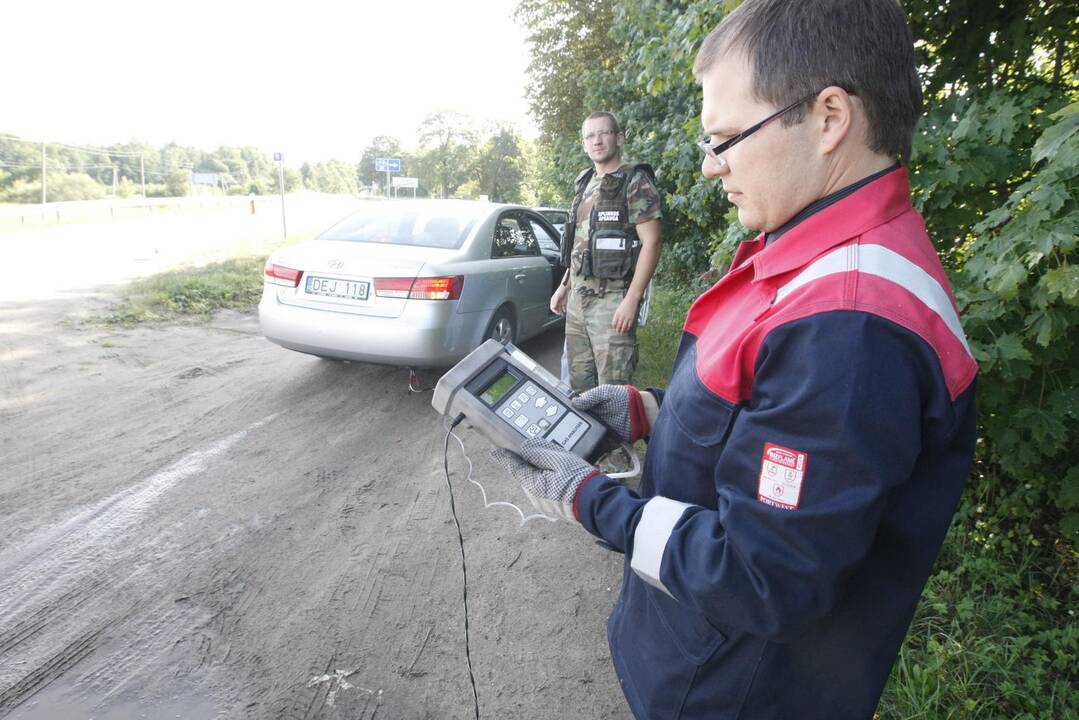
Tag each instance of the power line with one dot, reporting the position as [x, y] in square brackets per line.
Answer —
[83, 148]
[55, 164]
[104, 151]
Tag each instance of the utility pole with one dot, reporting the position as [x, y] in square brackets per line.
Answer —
[114, 181]
[43, 173]
[142, 175]
[280, 158]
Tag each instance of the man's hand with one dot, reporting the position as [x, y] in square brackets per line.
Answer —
[626, 315]
[558, 300]
[619, 407]
[551, 476]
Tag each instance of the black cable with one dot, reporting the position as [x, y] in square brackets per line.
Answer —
[464, 568]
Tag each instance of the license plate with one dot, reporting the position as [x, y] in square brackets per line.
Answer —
[332, 287]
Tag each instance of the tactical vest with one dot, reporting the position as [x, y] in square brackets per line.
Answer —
[613, 245]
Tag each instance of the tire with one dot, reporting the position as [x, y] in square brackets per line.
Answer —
[502, 327]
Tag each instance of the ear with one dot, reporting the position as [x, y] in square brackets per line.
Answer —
[834, 113]
[619, 139]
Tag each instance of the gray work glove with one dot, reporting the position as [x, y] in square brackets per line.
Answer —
[619, 407]
[550, 475]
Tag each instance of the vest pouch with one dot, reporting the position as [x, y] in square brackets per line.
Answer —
[612, 254]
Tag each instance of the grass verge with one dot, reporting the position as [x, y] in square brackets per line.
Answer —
[191, 293]
[660, 336]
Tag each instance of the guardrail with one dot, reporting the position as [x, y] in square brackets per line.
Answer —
[14, 216]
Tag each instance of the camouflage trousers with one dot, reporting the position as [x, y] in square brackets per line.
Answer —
[597, 353]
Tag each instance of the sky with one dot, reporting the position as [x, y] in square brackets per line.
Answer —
[312, 79]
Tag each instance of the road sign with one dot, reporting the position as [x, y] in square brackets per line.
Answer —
[392, 165]
[277, 157]
[399, 182]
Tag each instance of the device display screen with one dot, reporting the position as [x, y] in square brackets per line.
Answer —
[496, 390]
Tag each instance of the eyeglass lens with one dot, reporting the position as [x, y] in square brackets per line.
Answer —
[598, 134]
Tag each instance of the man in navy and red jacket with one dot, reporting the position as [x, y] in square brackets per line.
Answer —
[808, 454]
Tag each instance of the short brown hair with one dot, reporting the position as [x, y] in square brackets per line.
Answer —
[798, 47]
[604, 114]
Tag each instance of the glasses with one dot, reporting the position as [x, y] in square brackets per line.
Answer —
[600, 134]
[714, 150]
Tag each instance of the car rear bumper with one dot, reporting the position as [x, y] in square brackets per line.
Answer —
[428, 333]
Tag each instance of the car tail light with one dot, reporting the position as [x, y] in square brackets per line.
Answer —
[424, 288]
[281, 275]
[392, 287]
[437, 288]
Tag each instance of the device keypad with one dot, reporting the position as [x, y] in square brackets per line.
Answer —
[532, 411]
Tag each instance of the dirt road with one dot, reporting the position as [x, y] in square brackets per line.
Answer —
[195, 523]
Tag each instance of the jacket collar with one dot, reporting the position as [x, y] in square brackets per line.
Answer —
[871, 205]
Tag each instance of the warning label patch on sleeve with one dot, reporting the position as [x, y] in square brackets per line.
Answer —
[782, 473]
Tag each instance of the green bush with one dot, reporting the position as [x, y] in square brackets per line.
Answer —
[990, 639]
[1019, 293]
[60, 187]
[191, 292]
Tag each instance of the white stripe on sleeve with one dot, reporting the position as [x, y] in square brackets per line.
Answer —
[890, 265]
[658, 519]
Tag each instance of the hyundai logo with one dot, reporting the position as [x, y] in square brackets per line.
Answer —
[336, 264]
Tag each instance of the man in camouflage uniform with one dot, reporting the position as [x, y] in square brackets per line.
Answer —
[601, 315]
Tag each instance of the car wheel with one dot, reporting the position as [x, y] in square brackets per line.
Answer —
[502, 327]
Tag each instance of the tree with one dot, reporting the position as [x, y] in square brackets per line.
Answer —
[568, 41]
[382, 146]
[334, 176]
[498, 169]
[449, 141]
[179, 183]
[540, 184]
[293, 180]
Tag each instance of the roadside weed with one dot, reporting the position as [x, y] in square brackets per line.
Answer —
[194, 293]
[659, 337]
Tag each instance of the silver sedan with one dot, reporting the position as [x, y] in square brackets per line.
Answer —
[416, 283]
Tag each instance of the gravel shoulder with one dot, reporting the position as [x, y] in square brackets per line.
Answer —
[196, 523]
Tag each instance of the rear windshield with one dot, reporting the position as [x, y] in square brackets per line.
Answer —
[395, 224]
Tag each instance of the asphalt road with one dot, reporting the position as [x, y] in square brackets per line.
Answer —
[195, 523]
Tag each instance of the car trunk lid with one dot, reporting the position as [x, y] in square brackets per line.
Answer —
[341, 276]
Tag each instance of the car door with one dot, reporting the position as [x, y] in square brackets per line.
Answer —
[549, 240]
[527, 273]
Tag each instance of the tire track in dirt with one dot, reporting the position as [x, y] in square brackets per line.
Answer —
[384, 515]
[58, 587]
[312, 572]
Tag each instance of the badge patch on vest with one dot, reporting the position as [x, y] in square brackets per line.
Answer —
[608, 216]
[782, 472]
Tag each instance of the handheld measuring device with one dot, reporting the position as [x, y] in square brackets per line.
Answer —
[509, 398]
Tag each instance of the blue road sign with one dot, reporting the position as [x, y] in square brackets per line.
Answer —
[392, 165]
